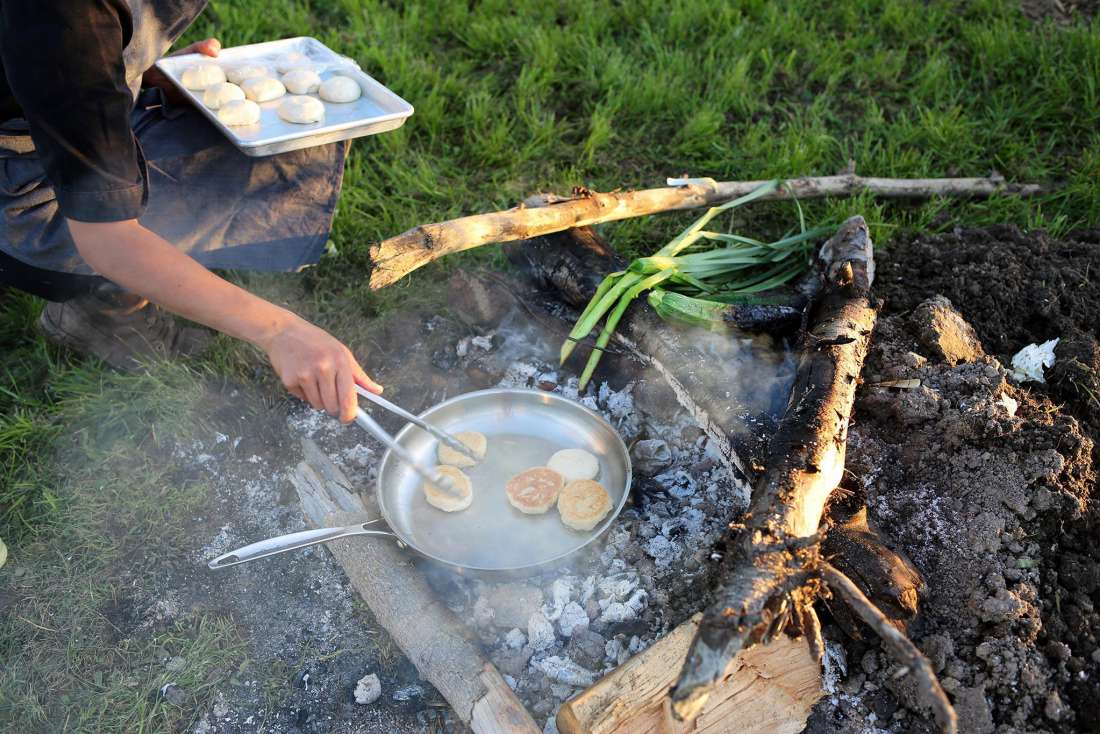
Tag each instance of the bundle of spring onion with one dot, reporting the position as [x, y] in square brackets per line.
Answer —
[705, 270]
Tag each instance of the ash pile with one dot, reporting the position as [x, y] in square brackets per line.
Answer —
[555, 633]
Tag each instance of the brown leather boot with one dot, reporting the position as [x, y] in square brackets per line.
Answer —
[122, 329]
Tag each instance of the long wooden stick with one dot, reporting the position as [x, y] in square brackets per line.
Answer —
[398, 256]
[437, 642]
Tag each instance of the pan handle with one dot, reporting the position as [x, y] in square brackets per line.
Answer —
[294, 541]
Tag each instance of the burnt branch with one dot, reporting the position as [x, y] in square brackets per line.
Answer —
[899, 645]
[774, 554]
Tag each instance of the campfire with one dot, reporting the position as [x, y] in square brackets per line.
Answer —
[700, 599]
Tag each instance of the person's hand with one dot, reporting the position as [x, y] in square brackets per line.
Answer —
[153, 77]
[317, 368]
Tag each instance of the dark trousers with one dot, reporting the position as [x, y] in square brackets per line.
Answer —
[48, 284]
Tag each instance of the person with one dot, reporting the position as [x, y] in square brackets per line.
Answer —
[118, 201]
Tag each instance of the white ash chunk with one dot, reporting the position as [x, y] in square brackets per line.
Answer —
[359, 455]
[563, 670]
[561, 592]
[463, 347]
[368, 689]
[590, 402]
[588, 589]
[617, 613]
[540, 633]
[572, 618]
[662, 550]
[677, 483]
[618, 587]
[484, 343]
[515, 639]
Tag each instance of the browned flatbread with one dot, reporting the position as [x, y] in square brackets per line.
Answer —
[583, 503]
[534, 491]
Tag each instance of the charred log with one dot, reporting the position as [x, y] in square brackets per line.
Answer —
[776, 569]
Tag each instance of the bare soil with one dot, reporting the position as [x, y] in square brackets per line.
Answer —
[986, 485]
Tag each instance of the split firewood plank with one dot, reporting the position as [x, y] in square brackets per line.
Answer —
[430, 635]
[771, 691]
[398, 256]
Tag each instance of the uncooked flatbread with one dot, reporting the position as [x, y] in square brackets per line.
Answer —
[218, 94]
[238, 74]
[340, 90]
[301, 81]
[202, 75]
[239, 112]
[263, 88]
[292, 60]
[446, 501]
[583, 503]
[474, 440]
[301, 110]
[575, 464]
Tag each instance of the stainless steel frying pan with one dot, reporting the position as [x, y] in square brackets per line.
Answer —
[524, 428]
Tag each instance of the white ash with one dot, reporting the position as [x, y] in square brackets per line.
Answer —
[358, 455]
[368, 689]
[540, 633]
[563, 670]
[484, 343]
[515, 639]
[572, 618]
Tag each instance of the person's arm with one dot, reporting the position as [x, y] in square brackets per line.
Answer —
[64, 62]
[311, 363]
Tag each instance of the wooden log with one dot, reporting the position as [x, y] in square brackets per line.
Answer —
[771, 690]
[769, 573]
[398, 256]
[430, 635]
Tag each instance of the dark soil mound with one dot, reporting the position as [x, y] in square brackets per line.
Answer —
[1014, 288]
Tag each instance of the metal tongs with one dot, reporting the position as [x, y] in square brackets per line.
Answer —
[376, 430]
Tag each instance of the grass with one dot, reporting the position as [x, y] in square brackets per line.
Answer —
[511, 98]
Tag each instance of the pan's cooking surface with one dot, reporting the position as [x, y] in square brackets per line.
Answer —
[524, 428]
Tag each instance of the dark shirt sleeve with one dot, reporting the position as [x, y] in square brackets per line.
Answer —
[64, 62]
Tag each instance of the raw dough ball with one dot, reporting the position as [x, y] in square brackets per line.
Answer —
[301, 81]
[202, 75]
[574, 464]
[217, 95]
[474, 440]
[292, 60]
[263, 88]
[534, 491]
[340, 89]
[301, 110]
[445, 500]
[238, 74]
[239, 112]
[583, 503]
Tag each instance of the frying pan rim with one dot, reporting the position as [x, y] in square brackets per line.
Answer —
[595, 533]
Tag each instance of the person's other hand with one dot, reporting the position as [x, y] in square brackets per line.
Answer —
[317, 368]
[153, 77]
[206, 47]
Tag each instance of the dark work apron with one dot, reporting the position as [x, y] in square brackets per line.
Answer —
[209, 200]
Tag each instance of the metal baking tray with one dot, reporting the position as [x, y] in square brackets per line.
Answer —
[377, 111]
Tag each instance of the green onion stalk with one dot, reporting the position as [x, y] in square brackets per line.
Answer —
[736, 266]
